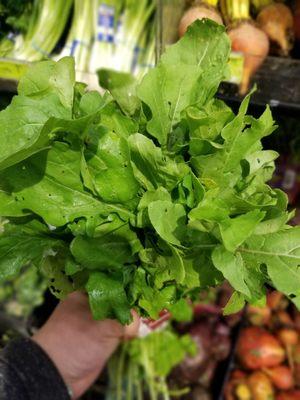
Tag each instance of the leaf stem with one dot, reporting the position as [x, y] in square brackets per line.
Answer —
[237, 10]
[260, 4]
[212, 3]
[120, 371]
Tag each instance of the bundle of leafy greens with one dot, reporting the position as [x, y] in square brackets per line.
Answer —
[14, 15]
[38, 31]
[146, 195]
[142, 365]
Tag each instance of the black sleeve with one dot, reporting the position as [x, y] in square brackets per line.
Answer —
[27, 373]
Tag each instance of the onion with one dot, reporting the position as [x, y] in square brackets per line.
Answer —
[276, 20]
[289, 338]
[284, 318]
[274, 300]
[259, 316]
[198, 12]
[281, 377]
[260, 386]
[242, 392]
[258, 349]
[292, 395]
[246, 38]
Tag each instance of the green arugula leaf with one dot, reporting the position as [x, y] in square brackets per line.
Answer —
[188, 73]
[235, 231]
[168, 219]
[45, 91]
[108, 252]
[280, 252]
[55, 177]
[18, 248]
[108, 298]
[122, 87]
[110, 168]
[235, 304]
[165, 266]
[151, 168]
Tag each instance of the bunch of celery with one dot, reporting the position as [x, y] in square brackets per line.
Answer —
[14, 17]
[144, 54]
[47, 22]
[79, 40]
[120, 30]
[106, 21]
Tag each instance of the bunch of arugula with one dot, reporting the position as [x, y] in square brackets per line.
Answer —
[145, 195]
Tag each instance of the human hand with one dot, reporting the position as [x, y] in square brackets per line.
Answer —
[78, 345]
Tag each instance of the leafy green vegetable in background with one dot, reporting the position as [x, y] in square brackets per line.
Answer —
[14, 14]
[143, 364]
[19, 296]
[144, 197]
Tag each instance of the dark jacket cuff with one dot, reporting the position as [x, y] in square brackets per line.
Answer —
[26, 369]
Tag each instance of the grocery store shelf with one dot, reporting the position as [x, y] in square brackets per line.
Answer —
[278, 81]
[278, 84]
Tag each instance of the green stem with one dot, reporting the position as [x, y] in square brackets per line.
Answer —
[237, 10]
[138, 383]
[120, 371]
[212, 3]
[260, 4]
[149, 373]
[129, 380]
[164, 389]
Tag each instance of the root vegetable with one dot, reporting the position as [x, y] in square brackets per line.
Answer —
[259, 316]
[297, 374]
[289, 338]
[293, 395]
[259, 349]
[296, 354]
[296, 360]
[238, 378]
[246, 38]
[260, 386]
[238, 374]
[243, 392]
[200, 11]
[276, 20]
[284, 318]
[274, 299]
[281, 377]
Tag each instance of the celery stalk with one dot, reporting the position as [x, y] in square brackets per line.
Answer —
[79, 40]
[46, 26]
[106, 21]
[133, 22]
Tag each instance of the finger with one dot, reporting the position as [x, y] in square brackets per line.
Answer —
[131, 331]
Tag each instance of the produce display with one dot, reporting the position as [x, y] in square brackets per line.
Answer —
[144, 364]
[144, 220]
[152, 194]
[268, 354]
[45, 24]
[117, 34]
[176, 359]
[14, 15]
[256, 28]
